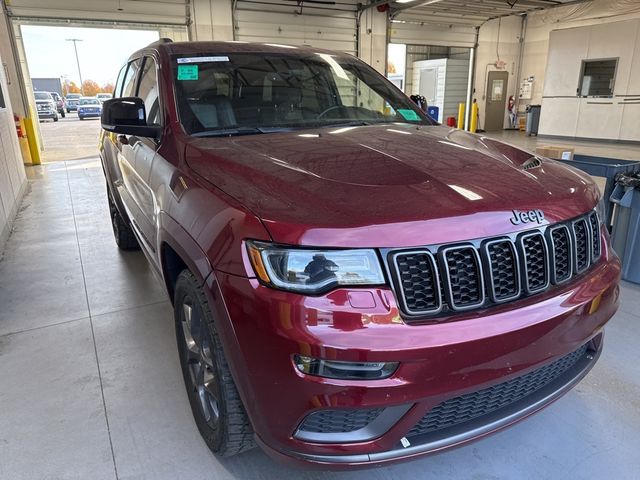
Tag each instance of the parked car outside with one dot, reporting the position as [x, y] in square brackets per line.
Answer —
[46, 106]
[60, 105]
[89, 107]
[104, 96]
[72, 100]
[352, 283]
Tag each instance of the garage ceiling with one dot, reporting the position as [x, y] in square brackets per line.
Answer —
[466, 12]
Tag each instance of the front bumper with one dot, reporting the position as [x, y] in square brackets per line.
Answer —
[88, 114]
[262, 329]
[47, 114]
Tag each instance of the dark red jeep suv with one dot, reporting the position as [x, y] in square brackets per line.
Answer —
[352, 283]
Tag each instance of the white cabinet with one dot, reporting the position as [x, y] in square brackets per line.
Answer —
[599, 118]
[630, 125]
[559, 116]
[566, 114]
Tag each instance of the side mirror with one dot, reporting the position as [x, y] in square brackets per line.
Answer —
[127, 116]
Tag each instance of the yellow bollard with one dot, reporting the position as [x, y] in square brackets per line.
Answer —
[24, 143]
[33, 142]
[474, 118]
[461, 108]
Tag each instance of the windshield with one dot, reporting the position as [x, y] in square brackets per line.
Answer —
[42, 96]
[89, 101]
[104, 95]
[73, 96]
[255, 93]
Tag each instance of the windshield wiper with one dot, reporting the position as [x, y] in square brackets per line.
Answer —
[232, 132]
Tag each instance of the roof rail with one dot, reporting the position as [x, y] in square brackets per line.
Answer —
[160, 41]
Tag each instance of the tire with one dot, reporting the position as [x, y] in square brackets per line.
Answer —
[122, 231]
[81, 118]
[215, 403]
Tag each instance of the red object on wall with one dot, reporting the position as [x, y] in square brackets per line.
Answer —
[383, 8]
[19, 131]
[451, 121]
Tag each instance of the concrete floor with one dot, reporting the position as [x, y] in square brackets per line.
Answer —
[625, 151]
[69, 138]
[91, 386]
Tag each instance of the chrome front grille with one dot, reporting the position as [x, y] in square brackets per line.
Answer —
[448, 278]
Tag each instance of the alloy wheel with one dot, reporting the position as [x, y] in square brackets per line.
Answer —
[200, 363]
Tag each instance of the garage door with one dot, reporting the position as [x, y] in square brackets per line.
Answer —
[318, 24]
[130, 11]
[419, 33]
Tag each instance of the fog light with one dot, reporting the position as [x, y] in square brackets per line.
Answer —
[345, 370]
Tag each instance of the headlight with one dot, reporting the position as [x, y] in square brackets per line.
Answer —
[314, 271]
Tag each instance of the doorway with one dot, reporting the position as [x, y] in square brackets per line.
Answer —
[496, 96]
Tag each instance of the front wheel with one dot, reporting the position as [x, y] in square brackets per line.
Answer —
[217, 408]
[122, 231]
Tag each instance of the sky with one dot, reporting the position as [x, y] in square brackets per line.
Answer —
[101, 53]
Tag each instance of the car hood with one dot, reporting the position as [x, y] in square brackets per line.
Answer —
[387, 186]
[44, 102]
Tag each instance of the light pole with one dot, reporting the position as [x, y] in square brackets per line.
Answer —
[75, 47]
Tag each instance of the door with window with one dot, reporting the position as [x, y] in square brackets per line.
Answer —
[138, 153]
[496, 101]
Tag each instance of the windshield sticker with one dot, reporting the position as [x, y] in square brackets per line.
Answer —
[408, 114]
[203, 59]
[187, 72]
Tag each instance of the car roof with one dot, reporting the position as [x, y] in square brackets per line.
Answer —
[232, 46]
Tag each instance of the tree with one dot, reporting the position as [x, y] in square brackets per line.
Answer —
[107, 88]
[90, 88]
[69, 87]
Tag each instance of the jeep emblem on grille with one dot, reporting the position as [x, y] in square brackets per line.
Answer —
[530, 216]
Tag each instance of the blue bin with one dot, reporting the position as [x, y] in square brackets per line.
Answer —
[433, 112]
[625, 238]
[604, 167]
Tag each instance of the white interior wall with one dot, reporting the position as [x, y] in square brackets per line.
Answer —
[372, 41]
[536, 45]
[211, 20]
[507, 30]
[540, 25]
[12, 175]
[565, 114]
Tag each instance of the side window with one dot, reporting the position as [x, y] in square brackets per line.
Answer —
[148, 91]
[118, 88]
[129, 84]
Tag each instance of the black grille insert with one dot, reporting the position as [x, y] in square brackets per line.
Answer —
[339, 421]
[464, 277]
[562, 254]
[503, 270]
[471, 406]
[594, 223]
[534, 252]
[418, 281]
[581, 239]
